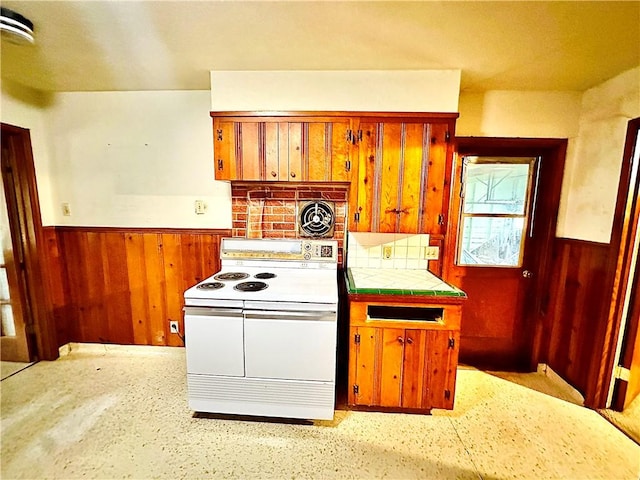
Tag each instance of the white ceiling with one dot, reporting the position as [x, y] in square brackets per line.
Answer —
[172, 45]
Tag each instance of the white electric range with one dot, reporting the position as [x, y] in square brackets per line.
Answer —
[261, 332]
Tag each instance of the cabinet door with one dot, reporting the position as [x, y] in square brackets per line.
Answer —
[393, 341]
[392, 172]
[249, 140]
[224, 149]
[339, 151]
[361, 204]
[413, 365]
[364, 344]
[402, 178]
[441, 362]
[435, 201]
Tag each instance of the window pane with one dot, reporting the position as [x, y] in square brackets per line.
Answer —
[496, 188]
[491, 241]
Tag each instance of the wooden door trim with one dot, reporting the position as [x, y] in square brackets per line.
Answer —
[553, 152]
[44, 329]
[625, 220]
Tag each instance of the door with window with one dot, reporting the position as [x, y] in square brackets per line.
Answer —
[497, 196]
[506, 195]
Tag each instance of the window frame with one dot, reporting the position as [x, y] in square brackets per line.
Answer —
[528, 212]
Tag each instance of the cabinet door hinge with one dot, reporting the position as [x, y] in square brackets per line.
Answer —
[356, 338]
[447, 394]
[621, 373]
[220, 164]
[356, 389]
[452, 343]
[219, 134]
[354, 137]
[440, 219]
[447, 136]
[356, 217]
[347, 165]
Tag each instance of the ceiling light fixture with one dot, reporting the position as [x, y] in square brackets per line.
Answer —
[15, 28]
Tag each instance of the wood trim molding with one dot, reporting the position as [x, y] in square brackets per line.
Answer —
[405, 116]
[193, 231]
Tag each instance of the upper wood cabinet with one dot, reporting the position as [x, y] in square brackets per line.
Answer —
[403, 178]
[281, 147]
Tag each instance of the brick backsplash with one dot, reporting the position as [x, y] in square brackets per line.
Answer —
[266, 210]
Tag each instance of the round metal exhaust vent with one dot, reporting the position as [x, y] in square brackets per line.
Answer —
[316, 219]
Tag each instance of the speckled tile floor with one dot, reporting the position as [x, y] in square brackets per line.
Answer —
[121, 412]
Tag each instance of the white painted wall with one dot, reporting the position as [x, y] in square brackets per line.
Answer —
[595, 122]
[27, 108]
[135, 159]
[592, 171]
[336, 90]
[504, 113]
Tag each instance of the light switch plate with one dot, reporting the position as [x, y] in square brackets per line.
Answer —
[200, 207]
[431, 253]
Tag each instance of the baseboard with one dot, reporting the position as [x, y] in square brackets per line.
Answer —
[546, 370]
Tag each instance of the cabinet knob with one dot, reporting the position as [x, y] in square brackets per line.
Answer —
[293, 174]
[409, 340]
[273, 174]
[400, 339]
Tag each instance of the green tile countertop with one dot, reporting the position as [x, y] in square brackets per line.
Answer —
[394, 281]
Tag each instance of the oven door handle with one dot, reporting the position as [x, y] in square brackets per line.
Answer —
[283, 315]
[212, 312]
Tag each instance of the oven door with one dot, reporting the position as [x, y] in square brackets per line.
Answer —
[290, 345]
[214, 341]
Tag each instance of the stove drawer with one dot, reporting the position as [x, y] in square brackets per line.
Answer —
[292, 349]
[214, 343]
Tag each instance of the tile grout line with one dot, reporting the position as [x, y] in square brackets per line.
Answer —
[466, 449]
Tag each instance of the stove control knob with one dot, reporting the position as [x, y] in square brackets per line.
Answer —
[307, 256]
[307, 246]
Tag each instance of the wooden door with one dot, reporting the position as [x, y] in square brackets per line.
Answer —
[493, 259]
[13, 299]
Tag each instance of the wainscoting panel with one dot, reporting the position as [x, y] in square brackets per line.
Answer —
[580, 294]
[118, 285]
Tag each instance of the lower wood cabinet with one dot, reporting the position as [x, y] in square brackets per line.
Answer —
[395, 364]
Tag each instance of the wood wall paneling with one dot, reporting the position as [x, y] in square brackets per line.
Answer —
[113, 285]
[580, 291]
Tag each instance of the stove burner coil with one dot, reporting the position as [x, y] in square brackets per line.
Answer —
[250, 286]
[231, 276]
[264, 275]
[210, 285]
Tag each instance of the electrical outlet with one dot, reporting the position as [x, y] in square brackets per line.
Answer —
[431, 253]
[66, 209]
[200, 207]
[174, 326]
[387, 252]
